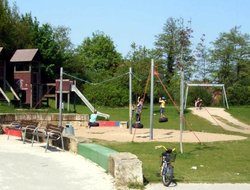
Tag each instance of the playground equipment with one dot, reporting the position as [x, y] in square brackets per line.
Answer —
[207, 85]
[27, 75]
[87, 103]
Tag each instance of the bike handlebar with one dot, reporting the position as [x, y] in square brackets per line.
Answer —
[161, 146]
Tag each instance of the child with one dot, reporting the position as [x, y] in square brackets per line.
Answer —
[162, 101]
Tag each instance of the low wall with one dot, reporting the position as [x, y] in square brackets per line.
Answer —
[125, 167]
[75, 119]
[97, 153]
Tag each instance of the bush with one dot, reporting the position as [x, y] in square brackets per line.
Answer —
[238, 94]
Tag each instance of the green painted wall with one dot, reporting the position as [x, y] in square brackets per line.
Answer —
[97, 153]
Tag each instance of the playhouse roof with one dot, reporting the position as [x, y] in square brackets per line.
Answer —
[24, 55]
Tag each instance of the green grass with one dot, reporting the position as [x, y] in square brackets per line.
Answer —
[216, 162]
[241, 112]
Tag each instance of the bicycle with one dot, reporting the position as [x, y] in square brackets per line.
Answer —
[167, 169]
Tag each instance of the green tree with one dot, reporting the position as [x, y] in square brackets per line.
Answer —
[231, 59]
[231, 56]
[98, 62]
[98, 55]
[139, 58]
[53, 44]
[174, 47]
[201, 65]
[7, 25]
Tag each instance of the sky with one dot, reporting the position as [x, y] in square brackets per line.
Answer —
[138, 21]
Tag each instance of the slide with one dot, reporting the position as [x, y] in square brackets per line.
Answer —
[88, 104]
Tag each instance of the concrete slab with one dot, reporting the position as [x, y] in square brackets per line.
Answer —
[29, 168]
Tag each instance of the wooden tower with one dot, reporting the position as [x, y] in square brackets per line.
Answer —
[27, 76]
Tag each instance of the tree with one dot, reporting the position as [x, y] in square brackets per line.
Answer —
[53, 44]
[98, 62]
[231, 59]
[201, 65]
[98, 56]
[173, 47]
[139, 58]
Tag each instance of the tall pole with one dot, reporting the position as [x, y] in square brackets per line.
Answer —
[130, 100]
[60, 97]
[181, 108]
[152, 100]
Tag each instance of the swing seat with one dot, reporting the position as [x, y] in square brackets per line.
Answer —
[95, 124]
[137, 125]
[163, 119]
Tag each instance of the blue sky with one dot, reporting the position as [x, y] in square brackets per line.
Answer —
[139, 21]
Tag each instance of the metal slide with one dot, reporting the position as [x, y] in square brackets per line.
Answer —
[88, 104]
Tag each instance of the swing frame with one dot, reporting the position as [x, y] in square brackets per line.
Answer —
[207, 85]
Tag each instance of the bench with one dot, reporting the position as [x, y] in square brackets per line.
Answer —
[51, 132]
[24, 126]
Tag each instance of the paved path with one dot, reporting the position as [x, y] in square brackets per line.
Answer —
[29, 168]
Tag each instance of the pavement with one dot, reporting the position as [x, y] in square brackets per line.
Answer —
[29, 168]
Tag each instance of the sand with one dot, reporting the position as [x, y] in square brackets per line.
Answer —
[166, 135]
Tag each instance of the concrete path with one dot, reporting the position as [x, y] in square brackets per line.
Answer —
[29, 168]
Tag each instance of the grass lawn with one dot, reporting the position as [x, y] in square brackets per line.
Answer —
[215, 162]
[218, 162]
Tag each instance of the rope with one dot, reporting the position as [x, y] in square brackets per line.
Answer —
[144, 95]
[92, 83]
[175, 105]
[74, 77]
[137, 78]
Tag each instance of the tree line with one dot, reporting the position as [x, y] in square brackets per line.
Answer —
[96, 59]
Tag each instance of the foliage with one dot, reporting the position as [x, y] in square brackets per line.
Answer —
[53, 44]
[98, 54]
[108, 94]
[97, 59]
[201, 65]
[205, 93]
[238, 94]
[173, 48]
[230, 57]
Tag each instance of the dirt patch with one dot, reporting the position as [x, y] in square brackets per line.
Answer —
[164, 135]
[219, 117]
[143, 135]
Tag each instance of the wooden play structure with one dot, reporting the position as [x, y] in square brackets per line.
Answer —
[27, 75]
[24, 72]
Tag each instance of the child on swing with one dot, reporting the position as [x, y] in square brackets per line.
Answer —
[139, 109]
[162, 101]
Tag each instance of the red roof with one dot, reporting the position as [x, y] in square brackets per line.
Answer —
[24, 55]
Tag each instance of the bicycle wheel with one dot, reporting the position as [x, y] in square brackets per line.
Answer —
[167, 175]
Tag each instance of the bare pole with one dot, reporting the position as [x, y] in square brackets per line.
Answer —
[181, 108]
[130, 100]
[152, 100]
[60, 98]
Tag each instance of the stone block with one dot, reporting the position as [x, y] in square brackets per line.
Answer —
[126, 168]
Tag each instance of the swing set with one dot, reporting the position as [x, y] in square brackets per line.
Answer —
[154, 72]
